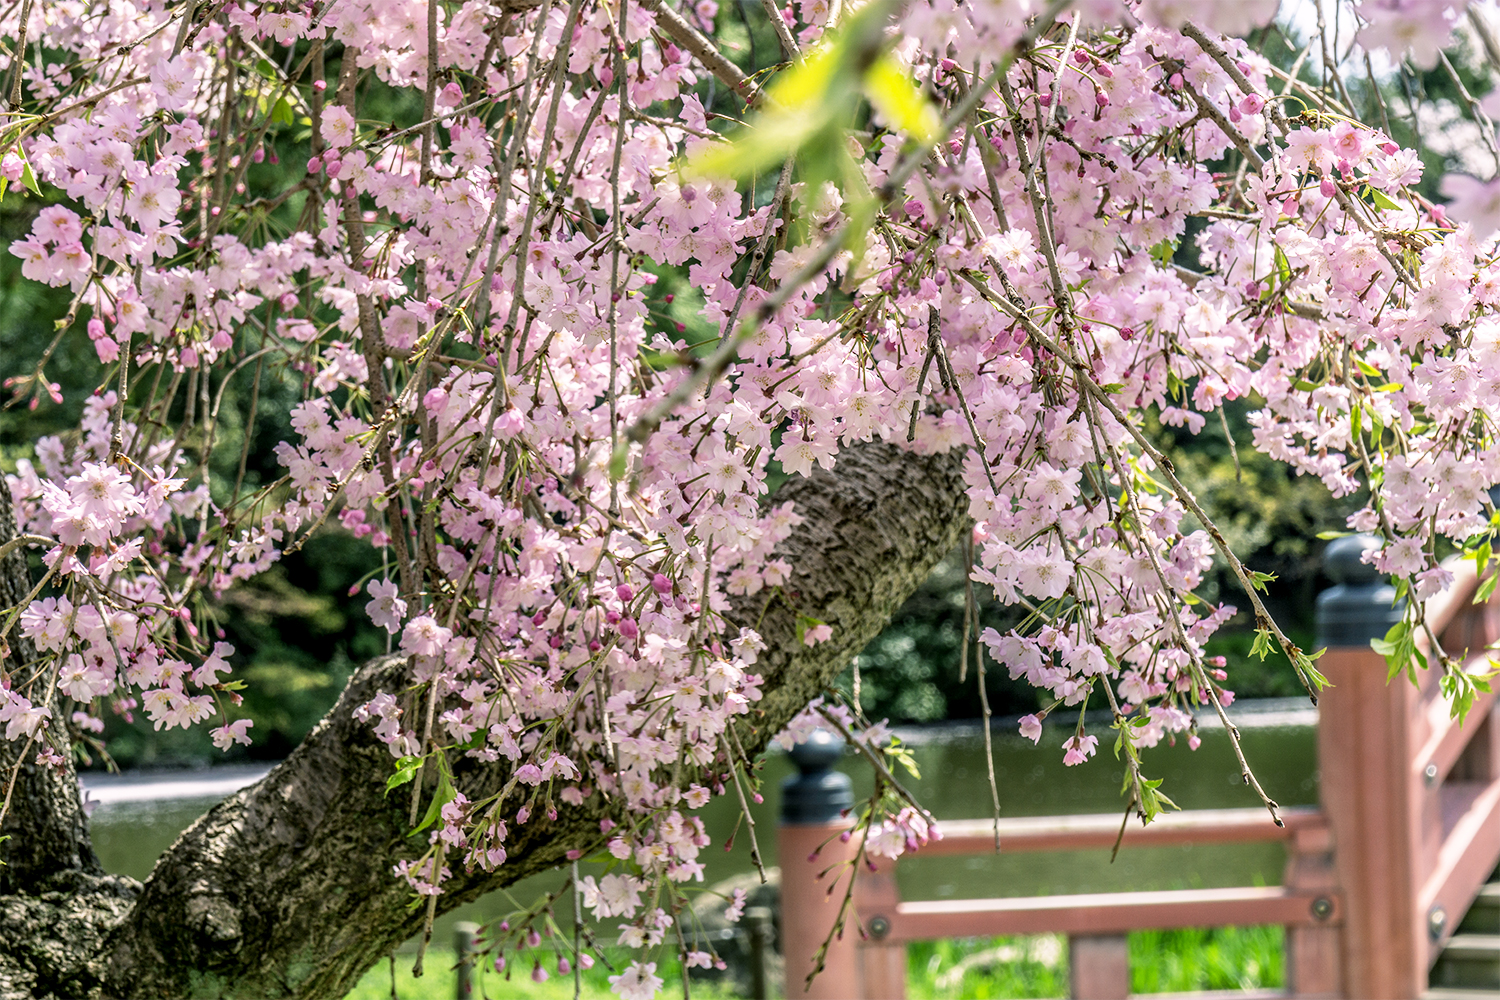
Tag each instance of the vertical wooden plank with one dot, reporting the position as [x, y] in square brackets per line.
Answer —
[882, 963]
[808, 913]
[1363, 766]
[1099, 966]
[1314, 954]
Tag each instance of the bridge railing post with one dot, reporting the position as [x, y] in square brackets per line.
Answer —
[1363, 759]
[813, 803]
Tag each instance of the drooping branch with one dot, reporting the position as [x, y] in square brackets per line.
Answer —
[286, 888]
[45, 831]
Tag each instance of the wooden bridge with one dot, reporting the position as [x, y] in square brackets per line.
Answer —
[1378, 878]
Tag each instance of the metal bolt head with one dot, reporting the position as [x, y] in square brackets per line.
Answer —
[1431, 773]
[1437, 920]
[879, 927]
[1322, 908]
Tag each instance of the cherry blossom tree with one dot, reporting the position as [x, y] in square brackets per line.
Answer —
[952, 258]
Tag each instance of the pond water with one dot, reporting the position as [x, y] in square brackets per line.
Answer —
[139, 816]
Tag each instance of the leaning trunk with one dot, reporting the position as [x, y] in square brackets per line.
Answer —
[286, 888]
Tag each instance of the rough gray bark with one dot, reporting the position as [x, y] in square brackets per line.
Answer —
[285, 889]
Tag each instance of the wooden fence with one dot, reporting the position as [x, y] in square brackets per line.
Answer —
[1376, 878]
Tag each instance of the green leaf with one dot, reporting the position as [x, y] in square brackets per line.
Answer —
[1399, 647]
[1486, 588]
[406, 770]
[1367, 368]
[281, 113]
[1329, 536]
[1259, 580]
[444, 794]
[1262, 645]
[803, 101]
[906, 759]
[29, 179]
[1383, 201]
[895, 95]
[617, 462]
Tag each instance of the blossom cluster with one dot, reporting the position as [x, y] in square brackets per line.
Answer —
[569, 498]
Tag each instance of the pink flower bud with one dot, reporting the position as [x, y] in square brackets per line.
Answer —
[1251, 104]
[564, 967]
[661, 584]
[533, 938]
[625, 591]
[320, 85]
[314, 165]
[539, 974]
[1175, 81]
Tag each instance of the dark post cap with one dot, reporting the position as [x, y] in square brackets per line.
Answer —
[1343, 559]
[1361, 605]
[817, 794]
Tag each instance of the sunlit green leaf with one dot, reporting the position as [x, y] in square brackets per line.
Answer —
[895, 95]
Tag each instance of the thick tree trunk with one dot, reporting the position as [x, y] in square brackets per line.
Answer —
[286, 888]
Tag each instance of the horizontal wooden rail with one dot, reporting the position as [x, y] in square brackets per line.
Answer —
[1099, 830]
[1109, 912]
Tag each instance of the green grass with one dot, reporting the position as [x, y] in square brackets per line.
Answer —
[1025, 967]
[1220, 958]
[441, 979]
[1225, 958]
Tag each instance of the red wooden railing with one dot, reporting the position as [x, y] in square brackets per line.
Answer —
[1096, 923]
[1375, 881]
